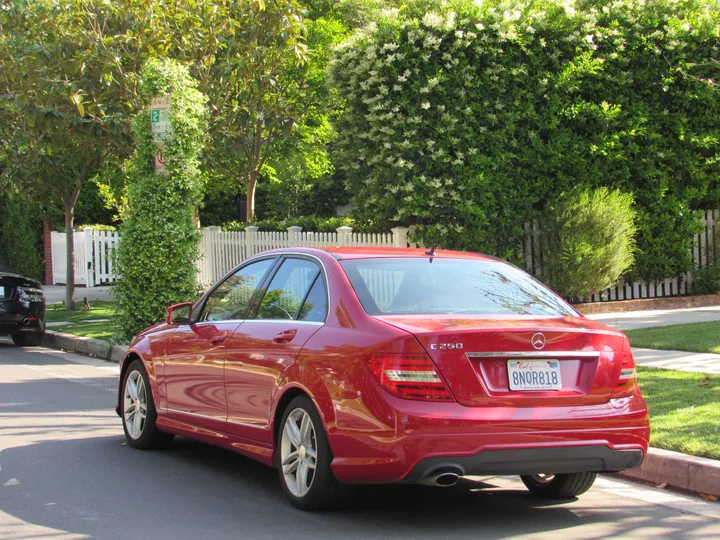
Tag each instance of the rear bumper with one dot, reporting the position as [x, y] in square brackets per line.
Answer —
[530, 461]
[14, 324]
[419, 439]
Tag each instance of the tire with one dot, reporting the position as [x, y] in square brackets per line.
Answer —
[28, 339]
[559, 486]
[323, 490]
[145, 435]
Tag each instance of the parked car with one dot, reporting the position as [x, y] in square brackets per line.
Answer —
[22, 308]
[365, 365]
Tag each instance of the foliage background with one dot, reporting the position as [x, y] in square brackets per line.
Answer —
[465, 117]
[21, 236]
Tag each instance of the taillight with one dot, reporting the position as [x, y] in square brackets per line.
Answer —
[627, 382]
[409, 376]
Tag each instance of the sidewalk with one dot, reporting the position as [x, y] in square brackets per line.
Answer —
[55, 294]
[679, 360]
[632, 320]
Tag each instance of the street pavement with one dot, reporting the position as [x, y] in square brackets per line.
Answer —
[66, 473]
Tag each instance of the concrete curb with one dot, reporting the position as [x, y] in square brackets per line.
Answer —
[83, 345]
[690, 473]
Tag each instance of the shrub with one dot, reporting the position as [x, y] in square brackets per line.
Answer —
[707, 280]
[158, 239]
[590, 241]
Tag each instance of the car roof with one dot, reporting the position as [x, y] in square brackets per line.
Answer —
[353, 252]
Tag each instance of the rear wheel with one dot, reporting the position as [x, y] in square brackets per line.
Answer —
[559, 486]
[303, 459]
[28, 339]
[138, 411]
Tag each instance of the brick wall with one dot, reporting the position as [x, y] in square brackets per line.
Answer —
[47, 250]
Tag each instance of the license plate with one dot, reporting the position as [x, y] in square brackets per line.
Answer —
[534, 374]
[2, 292]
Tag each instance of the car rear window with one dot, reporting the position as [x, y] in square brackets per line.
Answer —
[419, 286]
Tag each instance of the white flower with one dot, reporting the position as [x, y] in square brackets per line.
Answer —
[589, 38]
[425, 105]
[433, 20]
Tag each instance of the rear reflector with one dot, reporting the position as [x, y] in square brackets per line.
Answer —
[627, 381]
[409, 376]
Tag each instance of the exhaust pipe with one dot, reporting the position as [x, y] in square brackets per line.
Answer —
[446, 479]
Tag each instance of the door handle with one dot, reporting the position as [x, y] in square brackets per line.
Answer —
[285, 337]
[217, 340]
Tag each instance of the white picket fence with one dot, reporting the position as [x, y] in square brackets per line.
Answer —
[706, 249]
[220, 251]
[94, 257]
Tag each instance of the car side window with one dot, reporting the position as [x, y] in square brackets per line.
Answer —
[230, 299]
[315, 306]
[287, 289]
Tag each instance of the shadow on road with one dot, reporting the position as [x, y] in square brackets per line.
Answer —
[101, 488]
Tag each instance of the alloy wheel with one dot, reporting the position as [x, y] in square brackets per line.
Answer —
[135, 404]
[298, 452]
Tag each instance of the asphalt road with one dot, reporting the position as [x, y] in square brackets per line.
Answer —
[66, 473]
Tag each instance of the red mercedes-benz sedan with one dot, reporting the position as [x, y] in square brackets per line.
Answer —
[365, 365]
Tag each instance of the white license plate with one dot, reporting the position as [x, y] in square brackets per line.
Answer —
[534, 374]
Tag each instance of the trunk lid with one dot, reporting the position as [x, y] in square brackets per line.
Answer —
[472, 354]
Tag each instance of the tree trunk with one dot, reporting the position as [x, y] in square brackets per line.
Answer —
[70, 260]
[250, 183]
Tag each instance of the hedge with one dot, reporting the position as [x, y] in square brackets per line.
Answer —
[466, 117]
[158, 239]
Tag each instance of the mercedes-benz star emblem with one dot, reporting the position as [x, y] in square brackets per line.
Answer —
[538, 340]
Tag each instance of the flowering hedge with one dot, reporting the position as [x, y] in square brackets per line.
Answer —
[465, 118]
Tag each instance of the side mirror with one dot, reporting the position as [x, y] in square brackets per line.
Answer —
[180, 313]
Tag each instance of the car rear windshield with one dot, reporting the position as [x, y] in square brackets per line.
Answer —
[419, 286]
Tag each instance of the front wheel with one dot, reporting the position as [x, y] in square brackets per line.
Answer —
[559, 486]
[138, 411]
[303, 459]
[28, 339]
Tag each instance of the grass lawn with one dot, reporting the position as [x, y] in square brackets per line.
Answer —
[97, 330]
[83, 322]
[100, 309]
[684, 410]
[697, 337]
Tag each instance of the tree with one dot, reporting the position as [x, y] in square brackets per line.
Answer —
[65, 98]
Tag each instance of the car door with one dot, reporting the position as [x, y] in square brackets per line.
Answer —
[293, 306]
[195, 357]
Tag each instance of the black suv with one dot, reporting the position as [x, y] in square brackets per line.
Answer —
[22, 308]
